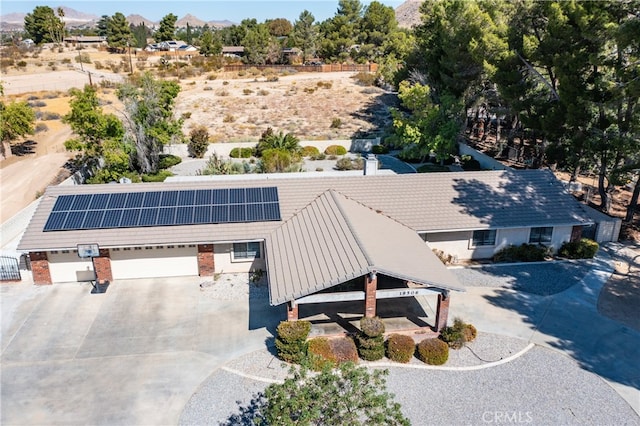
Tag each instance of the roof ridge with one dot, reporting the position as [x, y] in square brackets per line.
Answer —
[334, 195]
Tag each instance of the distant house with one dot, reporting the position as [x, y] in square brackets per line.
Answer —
[170, 46]
[27, 42]
[233, 51]
[85, 39]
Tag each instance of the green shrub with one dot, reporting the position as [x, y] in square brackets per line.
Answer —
[432, 168]
[400, 348]
[371, 327]
[168, 160]
[522, 253]
[247, 91]
[21, 64]
[320, 354]
[336, 123]
[158, 177]
[309, 151]
[470, 164]
[335, 150]
[433, 351]
[583, 249]
[379, 149]
[241, 153]
[198, 141]
[344, 163]
[365, 78]
[291, 340]
[370, 348]
[458, 334]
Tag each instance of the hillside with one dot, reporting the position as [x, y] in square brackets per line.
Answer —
[408, 13]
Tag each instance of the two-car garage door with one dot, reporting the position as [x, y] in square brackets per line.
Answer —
[153, 262]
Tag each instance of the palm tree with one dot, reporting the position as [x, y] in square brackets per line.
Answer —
[285, 142]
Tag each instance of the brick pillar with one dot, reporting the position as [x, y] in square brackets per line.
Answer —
[206, 262]
[292, 311]
[442, 311]
[102, 267]
[40, 267]
[370, 287]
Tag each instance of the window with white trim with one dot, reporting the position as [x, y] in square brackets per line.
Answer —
[540, 235]
[484, 237]
[246, 251]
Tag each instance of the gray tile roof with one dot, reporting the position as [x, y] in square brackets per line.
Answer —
[424, 202]
[334, 239]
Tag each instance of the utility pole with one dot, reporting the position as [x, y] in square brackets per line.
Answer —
[130, 63]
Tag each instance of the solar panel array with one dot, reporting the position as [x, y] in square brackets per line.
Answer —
[163, 208]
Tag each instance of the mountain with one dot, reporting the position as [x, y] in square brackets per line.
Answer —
[13, 18]
[191, 20]
[408, 13]
[221, 24]
[139, 19]
[73, 16]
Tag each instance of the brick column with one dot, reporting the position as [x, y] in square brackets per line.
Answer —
[370, 287]
[206, 262]
[442, 311]
[40, 267]
[102, 267]
[292, 311]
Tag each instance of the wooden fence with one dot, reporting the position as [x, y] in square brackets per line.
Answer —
[308, 68]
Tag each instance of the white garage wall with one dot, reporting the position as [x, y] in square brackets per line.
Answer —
[68, 267]
[223, 258]
[143, 262]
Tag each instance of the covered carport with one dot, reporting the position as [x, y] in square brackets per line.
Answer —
[336, 240]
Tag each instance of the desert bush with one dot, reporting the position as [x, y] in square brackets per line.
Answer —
[212, 76]
[379, 149]
[168, 160]
[335, 150]
[83, 58]
[346, 163]
[365, 78]
[400, 348]
[318, 157]
[522, 253]
[157, 177]
[41, 127]
[291, 340]
[198, 141]
[309, 151]
[7, 62]
[222, 92]
[309, 89]
[272, 78]
[37, 104]
[207, 88]
[67, 61]
[228, 118]
[262, 92]
[225, 83]
[186, 115]
[433, 351]
[445, 258]
[21, 64]
[456, 335]
[325, 84]
[253, 71]
[247, 91]
[51, 95]
[241, 153]
[319, 169]
[583, 249]
[241, 73]
[47, 115]
[336, 123]
[320, 354]
[98, 65]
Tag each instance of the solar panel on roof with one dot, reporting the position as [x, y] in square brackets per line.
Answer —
[163, 208]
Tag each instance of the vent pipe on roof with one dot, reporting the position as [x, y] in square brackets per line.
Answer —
[370, 165]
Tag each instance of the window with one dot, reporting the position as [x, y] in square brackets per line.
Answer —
[540, 235]
[246, 251]
[486, 237]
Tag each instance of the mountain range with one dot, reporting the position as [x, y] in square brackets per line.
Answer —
[407, 14]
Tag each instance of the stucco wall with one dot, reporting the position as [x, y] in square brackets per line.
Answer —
[224, 261]
[68, 267]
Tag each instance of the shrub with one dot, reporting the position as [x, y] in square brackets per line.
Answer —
[37, 104]
[309, 151]
[433, 351]
[344, 350]
[344, 164]
[521, 253]
[320, 354]
[158, 177]
[225, 83]
[47, 115]
[432, 168]
[212, 76]
[198, 142]
[400, 348]
[336, 123]
[207, 88]
[228, 118]
[291, 340]
[370, 340]
[470, 164]
[320, 156]
[365, 78]
[247, 91]
[583, 249]
[379, 149]
[458, 334]
[41, 127]
[241, 153]
[262, 92]
[21, 64]
[168, 160]
[186, 115]
[335, 150]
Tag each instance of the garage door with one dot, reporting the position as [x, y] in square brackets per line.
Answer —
[153, 262]
[68, 267]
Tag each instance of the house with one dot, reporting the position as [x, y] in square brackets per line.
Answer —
[308, 234]
[83, 39]
[170, 46]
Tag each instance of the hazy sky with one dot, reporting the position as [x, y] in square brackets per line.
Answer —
[207, 10]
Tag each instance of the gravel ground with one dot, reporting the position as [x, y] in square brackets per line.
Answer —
[542, 279]
[541, 387]
[234, 287]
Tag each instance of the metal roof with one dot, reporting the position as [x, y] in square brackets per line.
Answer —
[334, 239]
[429, 202]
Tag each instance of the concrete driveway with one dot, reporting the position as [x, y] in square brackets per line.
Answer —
[133, 355]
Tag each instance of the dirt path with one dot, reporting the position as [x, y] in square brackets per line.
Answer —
[620, 297]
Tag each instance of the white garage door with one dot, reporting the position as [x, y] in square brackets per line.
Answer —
[68, 267]
[152, 262]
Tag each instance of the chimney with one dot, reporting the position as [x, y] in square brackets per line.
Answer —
[370, 165]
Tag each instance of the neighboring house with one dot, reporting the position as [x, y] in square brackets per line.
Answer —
[233, 51]
[86, 39]
[170, 46]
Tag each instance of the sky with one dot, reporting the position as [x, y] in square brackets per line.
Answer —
[207, 10]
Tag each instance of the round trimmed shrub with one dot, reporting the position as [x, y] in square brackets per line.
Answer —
[241, 152]
[309, 151]
[400, 348]
[583, 249]
[371, 327]
[344, 350]
[370, 340]
[168, 160]
[335, 150]
[470, 333]
[291, 340]
[433, 351]
[320, 354]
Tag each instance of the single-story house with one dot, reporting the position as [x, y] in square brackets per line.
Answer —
[83, 39]
[307, 234]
